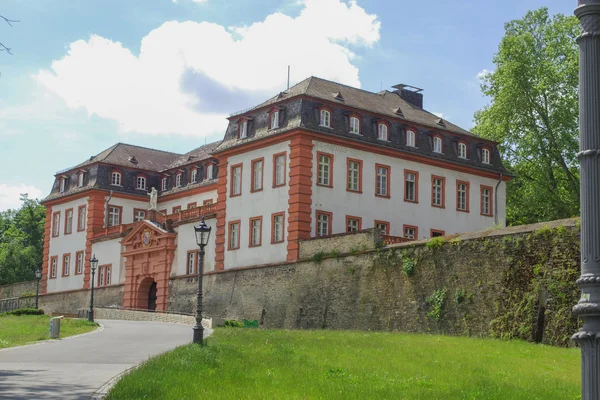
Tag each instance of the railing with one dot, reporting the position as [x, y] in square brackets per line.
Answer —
[189, 214]
[389, 239]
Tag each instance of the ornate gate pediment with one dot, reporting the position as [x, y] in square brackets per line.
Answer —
[147, 236]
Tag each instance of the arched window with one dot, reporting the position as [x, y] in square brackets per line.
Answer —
[325, 119]
[242, 129]
[140, 183]
[163, 184]
[354, 125]
[485, 156]
[62, 185]
[178, 180]
[437, 144]
[275, 120]
[194, 175]
[410, 138]
[462, 150]
[382, 131]
[115, 179]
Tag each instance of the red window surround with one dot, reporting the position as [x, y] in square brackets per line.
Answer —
[491, 189]
[239, 224]
[64, 257]
[259, 233]
[241, 167]
[176, 209]
[275, 156]
[348, 218]
[416, 173]
[187, 262]
[437, 135]
[360, 170]
[330, 225]
[53, 271]
[76, 260]
[55, 221]
[389, 179]
[440, 233]
[404, 227]
[207, 202]
[81, 224]
[262, 174]
[192, 205]
[443, 179]
[467, 197]
[282, 214]
[386, 223]
[319, 154]
[69, 224]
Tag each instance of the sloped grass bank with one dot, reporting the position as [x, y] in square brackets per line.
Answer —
[277, 364]
[23, 329]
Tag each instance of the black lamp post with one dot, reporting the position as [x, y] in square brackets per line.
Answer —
[93, 265]
[202, 232]
[38, 276]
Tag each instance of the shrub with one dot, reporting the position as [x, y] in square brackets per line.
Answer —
[460, 296]
[435, 242]
[231, 323]
[436, 301]
[25, 311]
[318, 257]
[27, 294]
[408, 266]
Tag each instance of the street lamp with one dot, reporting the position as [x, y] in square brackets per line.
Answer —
[202, 232]
[38, 276]
[93, 265]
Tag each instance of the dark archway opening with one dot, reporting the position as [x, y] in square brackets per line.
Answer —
[152, 297]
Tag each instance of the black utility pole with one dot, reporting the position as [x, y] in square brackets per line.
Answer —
[93, 265]
[202, 232]
[588, 307]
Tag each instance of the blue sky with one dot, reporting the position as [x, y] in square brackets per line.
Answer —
[165, 74]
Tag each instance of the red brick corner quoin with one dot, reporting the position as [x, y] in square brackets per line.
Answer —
[221, 215]
[300, 192]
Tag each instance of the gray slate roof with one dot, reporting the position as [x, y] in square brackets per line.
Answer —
[384, 103]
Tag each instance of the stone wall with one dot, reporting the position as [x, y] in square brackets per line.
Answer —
[16, 289]
[71, 301]
[133, 315]
[344, 243]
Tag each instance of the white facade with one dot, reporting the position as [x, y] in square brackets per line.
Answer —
[262, 203]
[66, 244]
[184, 201]
[394, 209]
[128, 207]
[186, 241]
[108, 252]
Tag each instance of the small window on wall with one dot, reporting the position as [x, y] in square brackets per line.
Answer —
[80, 261]
[354, 175]
[81, 218]
[278, 227]
[325, 167]
[410, 138]
[115, 179]
[410, 232]
[486, 201]
[140, 183]
[462, 196]
[234, 235]
[382, 132]
[437, 144]
[139, 215]
[257, 175]
[163, 184]
[191, 262]
[62, 185]
[236, 180]
[382, 180]
[383, 226]
[114, 215]
[279, 169]
[354, 125]
[462, 150]
[194, 175]
[438, 184]
[53, 266]
[485, 156]
[353, 224]
[324, 223]
[56, 224]
[68, 221]
[242, 129]
[104, 275]
[437, 233]
[176, 209]
[66, 265]
[325, 118]
[80, 179]
[411, 179]
[255, 231]
[275, 120]
[178, 179]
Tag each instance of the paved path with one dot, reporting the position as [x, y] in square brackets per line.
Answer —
[74, 368]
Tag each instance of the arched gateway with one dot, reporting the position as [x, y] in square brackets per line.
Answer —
[149, 251]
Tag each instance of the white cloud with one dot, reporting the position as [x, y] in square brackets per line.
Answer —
[189, 76]
[482, 74]
[9, 195]
[438, 114]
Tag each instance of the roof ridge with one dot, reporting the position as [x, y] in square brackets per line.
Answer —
[147, 148]
[348, 86]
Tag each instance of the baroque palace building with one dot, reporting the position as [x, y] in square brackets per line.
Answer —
[318, 159]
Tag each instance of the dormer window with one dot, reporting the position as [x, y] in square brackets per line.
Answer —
[410, 138]
[61, 187]
[355, 125]
[325, 118]
[382, 131]
[115, 179]
[242, 129]
[80, 179]
[485, 156]
[437, 144]
[140, 183]
[178, 180]
[194, 175]
[275, 120]
[462, 150]
[163, 184]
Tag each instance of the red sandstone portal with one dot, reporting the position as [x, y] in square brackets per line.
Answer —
[149, 252]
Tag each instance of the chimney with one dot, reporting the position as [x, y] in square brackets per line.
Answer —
[410, 94]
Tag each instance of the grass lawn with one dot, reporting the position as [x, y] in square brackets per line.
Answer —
[270, 364]
[23, 329]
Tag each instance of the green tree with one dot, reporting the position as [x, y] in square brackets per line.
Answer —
[533, 113]
[21, 241]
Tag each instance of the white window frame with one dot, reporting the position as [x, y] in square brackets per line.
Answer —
[410, 182]
[61, 188]
[323, 225]
[243, 130]
[256, 229]
[411, 138]
[163, 184]
[115, 179]
[409, 233]
[354, 125]
[107, 272]
[462, 150]
[114, 215]
[486, 195]
[353, 176]
[438, 187]
[101, 276]
[258, 175]
[324, 172]
[280, 170]
[275, 120]
[191, 262]
[236, 180]
[234, 236]
[81, 218]
[68, 221]
[437, 144]
[352, 225]
[56, 224]
[383, 228]
[53, 267]
[461, 196]
[278, 228]
[178, 179]
[194, 175]
[80, 179]
[140, 183]
[79, 267]
[139, 215]
[485, 156]
[382, 132]
[325, 118]
[66, 265]
[382, 181]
